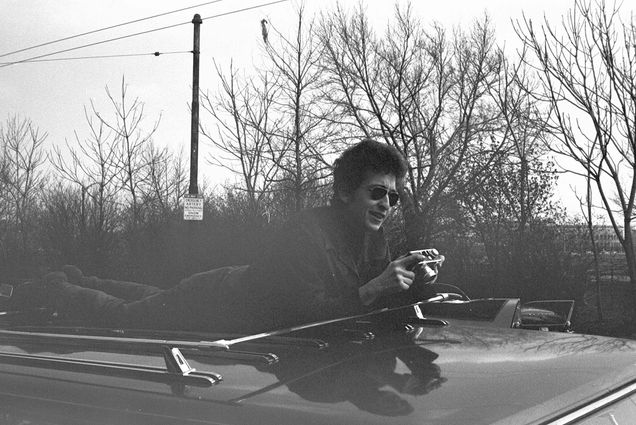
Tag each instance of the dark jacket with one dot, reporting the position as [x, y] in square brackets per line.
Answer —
[315, 266]
[312, 272]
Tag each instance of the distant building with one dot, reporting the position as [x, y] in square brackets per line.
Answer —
[572, 238]
[606, 239]
[577, 239]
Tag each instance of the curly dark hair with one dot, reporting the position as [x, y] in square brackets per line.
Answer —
[367, 156]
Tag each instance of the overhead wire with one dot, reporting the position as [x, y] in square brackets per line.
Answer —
[245, 9]
[31, 59]
[105, 56]
[37, 58]
[108, 28]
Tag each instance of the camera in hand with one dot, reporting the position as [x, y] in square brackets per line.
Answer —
[432, 261]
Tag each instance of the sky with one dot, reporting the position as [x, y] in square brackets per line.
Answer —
[53, 94]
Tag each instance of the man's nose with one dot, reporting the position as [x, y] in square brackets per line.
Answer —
[384, 201]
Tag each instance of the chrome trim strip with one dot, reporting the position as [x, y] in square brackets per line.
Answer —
[595, 406]
[315, 343]
[122, 370]
[426, 322]
[285, 331]
[151, 345]
[223, 343]
[246, 356]
[146, 342]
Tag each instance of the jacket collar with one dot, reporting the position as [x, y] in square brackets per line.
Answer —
[350, 245]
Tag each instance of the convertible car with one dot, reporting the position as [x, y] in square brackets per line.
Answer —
[445, 360]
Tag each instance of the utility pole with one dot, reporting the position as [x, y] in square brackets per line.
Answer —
[193, 202]
[194, 126]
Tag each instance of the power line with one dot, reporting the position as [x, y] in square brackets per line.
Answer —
[107, 28]
[36, 58]
[245, 9]
[104, 56]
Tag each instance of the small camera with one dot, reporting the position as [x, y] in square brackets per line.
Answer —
[432, 261]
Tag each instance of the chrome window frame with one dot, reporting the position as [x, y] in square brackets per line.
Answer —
[595, 406]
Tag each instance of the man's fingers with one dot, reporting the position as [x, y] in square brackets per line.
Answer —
[406, 282]
[410, 260]
[408, 274]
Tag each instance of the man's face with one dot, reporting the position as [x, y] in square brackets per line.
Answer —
[365, 205]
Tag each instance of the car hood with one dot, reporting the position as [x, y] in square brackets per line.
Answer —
[355, 372]
[457, 374]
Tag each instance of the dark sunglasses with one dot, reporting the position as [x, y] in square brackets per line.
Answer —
[379, 192]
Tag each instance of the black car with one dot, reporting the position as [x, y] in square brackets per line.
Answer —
[447, 360]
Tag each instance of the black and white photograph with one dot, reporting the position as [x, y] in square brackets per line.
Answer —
[329, 212]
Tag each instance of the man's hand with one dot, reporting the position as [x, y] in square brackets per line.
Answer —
[398, 276]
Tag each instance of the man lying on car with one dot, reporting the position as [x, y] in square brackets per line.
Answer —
[327, 262]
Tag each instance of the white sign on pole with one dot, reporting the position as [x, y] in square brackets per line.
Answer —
[193, 207]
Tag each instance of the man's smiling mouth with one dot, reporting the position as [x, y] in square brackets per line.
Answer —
[377, 215]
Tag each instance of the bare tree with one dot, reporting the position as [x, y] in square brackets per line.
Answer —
[517, 191]
[91, 164]
[522, 133]
[23, 156]
[131, 141]
[166, 182]
[275, 131]
[243, 133]
[588, 215]
[4, 203]
[587, 70]
[306, 136]
[423, 92]
[21, 178]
